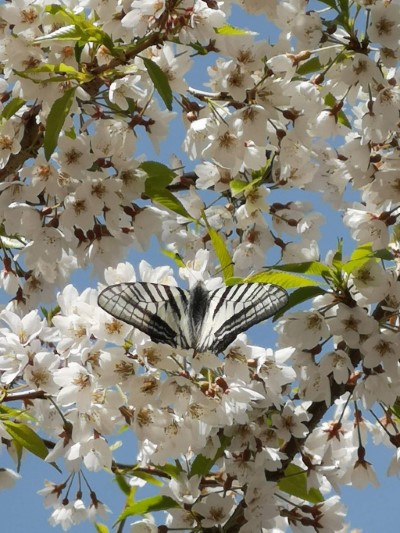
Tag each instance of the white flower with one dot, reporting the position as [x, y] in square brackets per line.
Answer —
[363, 474]
[214, 509]
[77, 385]
[290, 421]
[147, 525]
[384, 28]
[141, 13]
[382, 348]
[40, 373]
[8, 478]
[350, 323]
[95, 452]
[315, 386]
[127, 87]
[74, 156]
[185, 490]
[9, 141]
[303, 329]
[339, 363]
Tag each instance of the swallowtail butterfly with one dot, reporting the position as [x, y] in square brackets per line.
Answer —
[198, 319]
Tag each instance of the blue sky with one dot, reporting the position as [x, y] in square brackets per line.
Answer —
[21, 508]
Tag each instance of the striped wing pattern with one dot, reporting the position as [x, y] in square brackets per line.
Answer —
[234, 309]
[158, 310]
[198, 319]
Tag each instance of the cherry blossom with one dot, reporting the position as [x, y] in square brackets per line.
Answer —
[133, 127]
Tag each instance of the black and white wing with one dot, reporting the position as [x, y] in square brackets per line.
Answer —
[158, 310]
[235, 309]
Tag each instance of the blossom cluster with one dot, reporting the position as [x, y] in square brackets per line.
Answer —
[314, 114]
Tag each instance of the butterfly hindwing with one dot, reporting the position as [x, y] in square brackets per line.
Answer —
[235, 309]
[158, 310]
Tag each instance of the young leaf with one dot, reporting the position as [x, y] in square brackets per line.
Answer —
[364, 253]
[295, 484]
[227, 29]
[148, 505]
[201, 465]
[299, 296]
[55, 121]
[101, 528]
[221, 251]
[160, 81]
[175, 257]
[239, 186]
[314, 268]
[159, 175]
[27, 438]
[310, 66]
[284, 279]
[65, 33]
[12, 107]
[148, 478]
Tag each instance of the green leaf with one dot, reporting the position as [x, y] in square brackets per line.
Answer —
[101, 528]
[12, 243]
[160, 81]
[364, 253]
[84, 31]
[148, 478]
[50, 313]
[299, 296]
[221, 251]
[338, 257]
[123, 484]
[18, 453]
[342, 119]
[227, 29]
[27, 438]
[309, 66]
[314, 268]
[63, 72]
[201, 465]
[168, 200]
[159, 175]
[173, 471]
[331, 101]
[12, 107]
[148, 505]
[295, 484]
[284, 279]
[239, 187]
[64, 13]
[365, 250]
[395, 408]
[175, 257]
[384, 254]
[55, 121]
[67, 33]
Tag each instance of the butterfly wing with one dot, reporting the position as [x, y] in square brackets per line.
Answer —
[158, 310]
[235, 309]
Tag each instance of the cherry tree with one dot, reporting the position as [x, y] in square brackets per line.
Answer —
[260, 437]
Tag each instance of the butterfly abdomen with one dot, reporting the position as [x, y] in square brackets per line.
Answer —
[198, 305]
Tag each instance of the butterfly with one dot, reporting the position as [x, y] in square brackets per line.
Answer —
[196, 319]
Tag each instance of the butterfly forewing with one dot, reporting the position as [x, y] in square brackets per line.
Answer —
[235, 309]
[158, 310]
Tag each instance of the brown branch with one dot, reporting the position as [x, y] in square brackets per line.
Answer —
[31, 142]
[23, 396]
